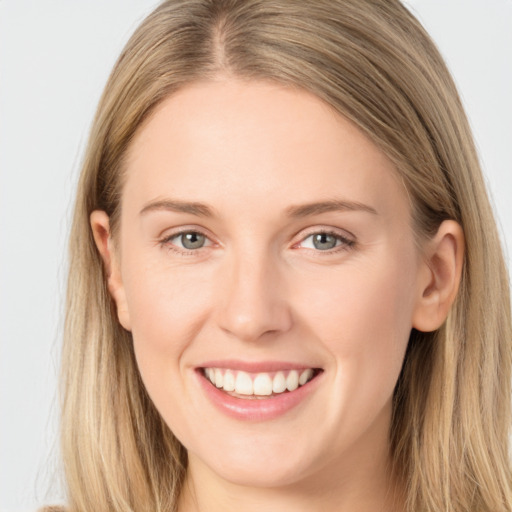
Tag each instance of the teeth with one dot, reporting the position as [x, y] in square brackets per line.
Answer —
[279, 383]
[292, 381]
[219, 378]
[243, 384]
[229, 381]
[305, 376]
[261, 384]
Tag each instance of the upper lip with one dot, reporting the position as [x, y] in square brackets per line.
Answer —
[256, 366]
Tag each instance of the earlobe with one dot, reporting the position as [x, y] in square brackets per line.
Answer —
[439, 277]
[100, 225]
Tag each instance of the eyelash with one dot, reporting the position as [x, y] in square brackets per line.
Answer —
[345, 245]
[167, 242]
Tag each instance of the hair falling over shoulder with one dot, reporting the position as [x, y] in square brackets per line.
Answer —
[373, 62]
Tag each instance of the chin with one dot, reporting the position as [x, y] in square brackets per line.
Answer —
[256, 461]
[259, 473]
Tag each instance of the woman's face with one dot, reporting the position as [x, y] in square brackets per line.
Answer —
[264, 240]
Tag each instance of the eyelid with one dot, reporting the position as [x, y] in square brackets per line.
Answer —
[165, 240]
[343, 233]
[348, 240]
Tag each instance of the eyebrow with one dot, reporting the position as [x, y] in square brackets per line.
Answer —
[199, 209]
[303, 210]
[334, 205]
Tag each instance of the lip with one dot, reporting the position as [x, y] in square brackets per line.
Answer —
[255, 367]
[254, 410]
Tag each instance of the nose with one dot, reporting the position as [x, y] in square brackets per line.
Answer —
[253, 302]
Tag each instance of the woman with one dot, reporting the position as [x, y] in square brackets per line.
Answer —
[286, 285]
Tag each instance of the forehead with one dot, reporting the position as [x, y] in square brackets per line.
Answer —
[232, 143]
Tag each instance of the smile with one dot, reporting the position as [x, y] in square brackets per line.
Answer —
[247, 385]
[257, 391]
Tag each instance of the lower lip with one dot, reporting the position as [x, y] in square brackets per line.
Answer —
[256, 409]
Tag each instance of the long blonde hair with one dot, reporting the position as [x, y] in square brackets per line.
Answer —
[372, 61]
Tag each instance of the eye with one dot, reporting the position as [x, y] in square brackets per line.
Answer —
[188, 240]
[325, 241]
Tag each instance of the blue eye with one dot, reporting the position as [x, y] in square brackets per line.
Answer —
[324, 241]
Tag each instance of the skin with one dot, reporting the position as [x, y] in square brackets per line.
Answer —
[259, 290]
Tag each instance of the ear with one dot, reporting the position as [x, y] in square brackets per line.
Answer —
[100, 224]
[439, 276]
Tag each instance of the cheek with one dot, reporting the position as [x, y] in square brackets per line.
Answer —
[361, 306]
[363, 316]
[167, 308]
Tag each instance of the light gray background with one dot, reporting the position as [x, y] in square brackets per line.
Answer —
[55, 56]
